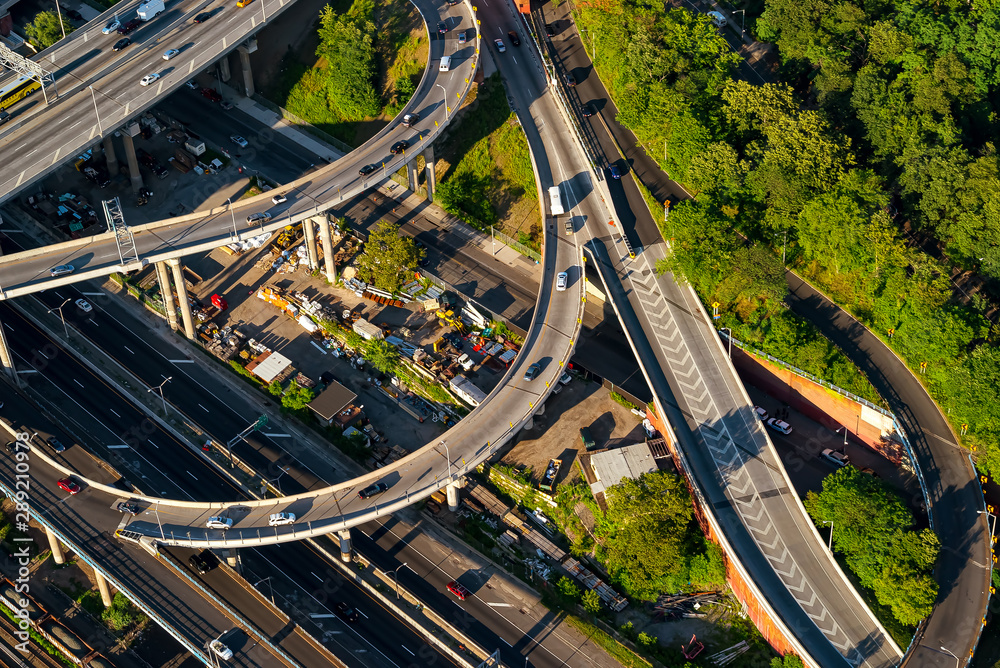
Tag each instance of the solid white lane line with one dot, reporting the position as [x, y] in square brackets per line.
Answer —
[78, 383]
[203, 408]
[190, 474]
[153, 444]
[316, 576]
[128, 349]
[408, 650]
[114, 411]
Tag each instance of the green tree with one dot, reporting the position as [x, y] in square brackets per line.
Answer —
[297, 397]
[466, 195]
[591, 602]
[382, 355]
[44, 31]
[388, 257]
[568, 589]
[275, 388]
[787, 661]
[347, 45]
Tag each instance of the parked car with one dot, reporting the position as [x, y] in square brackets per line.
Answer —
[67, 485]
[121, 44]
[718, 19]
[226, 106]
[562, 279]
[838, 459]
[760, 413]
[129, 507]
[261, 217]
[372, 490]
[281, 519]
[84, 305]
[203, 562]
[458, 590]
[532, 372]
[61, 270]
[279, 199]
[779, 426]
[191, 84]
[211, 94]
[346, 612]
[399, 147]
[499, 44]
[219, 522]
[149, 78]
[56, 444]
[111, 26]
[514, 39]
[239, 141]
[366, 170]
[170, 53]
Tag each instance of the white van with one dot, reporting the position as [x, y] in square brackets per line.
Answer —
[718, 19]
[445, 63]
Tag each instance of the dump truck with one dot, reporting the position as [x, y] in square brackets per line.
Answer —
[549, 479]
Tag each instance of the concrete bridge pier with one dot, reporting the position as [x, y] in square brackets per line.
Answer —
[105, 590]
[429, 175]
[345, 545]
[248, 88]
[133, 164]
[327, 239]
[224, 73]
[56, 547]
[309, 229]
[167, 292]
[412, 174]
[454, 497]
[6, 360]
[182, 297]
[109, 155]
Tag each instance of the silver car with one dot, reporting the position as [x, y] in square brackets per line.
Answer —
[219, 523]
[170, 53]
[62, 270]
[562, 279]
[262, 217]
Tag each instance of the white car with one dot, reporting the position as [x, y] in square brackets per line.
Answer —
[170, 53]
[279, 199]
[500, 47]
[562, 279]
[149, 78]
[219, 523]
[565, 379]
[220, 650]
[112, 26]
[779, 426]
[718, 18]
[239, 141]
[760, 413]
[84, 305]
[838, 459]
[280, 519]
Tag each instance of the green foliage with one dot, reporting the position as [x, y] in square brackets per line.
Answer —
[122, 615]
[388, 257]
[870, 526]
[382, 355]
[568, 589]
[44, 30]
[591, 602]
[297, 398]
[275, 388]
[787, 661]
[619, 399]
[648, 538]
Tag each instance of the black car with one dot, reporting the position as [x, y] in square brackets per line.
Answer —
[56, 444]
[129, 507]
[586, 110]
[549, 30]
[4, 117]
[11, 447]
[399, 147]
[347, 613]
[122, 43]
[372, 490]
[514, 39]
[203, 562]
[366, 170]
[129, 27]
[204, 16]
[442, 27]
[570, 80]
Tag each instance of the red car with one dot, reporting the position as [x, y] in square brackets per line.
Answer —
[67, 485]
[219, 303]
[458, 590]
[212, 95]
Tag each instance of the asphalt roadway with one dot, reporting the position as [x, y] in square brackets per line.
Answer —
[954, 496]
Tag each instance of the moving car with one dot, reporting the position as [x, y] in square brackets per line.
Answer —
[149, 78]
[56, 444]
[61, 270]
[121, 44]
[586, 110]
[366, 170]
[442, 28]
[779, 426]
[239, 141]
[549, 30]
[67, 485]
[261, 217]
[372, 490]
[410, 120]
[461, 38]
[514, 39]
[203, 562]
[281, 519]
[718, 19]
[219, 522]
[570, 79]
[838, 459]
[84, 305]
[204, 16]
[279, 199]
[346, 612]
[399, 147]
[532, 371]
[500, 47]
[220, 650]
[212, 95]
[562, 278]
[112, 26]
[170, 53]
[130, 507]
[126, 28]
[458, 590]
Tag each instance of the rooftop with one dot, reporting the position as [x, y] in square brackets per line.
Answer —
[611, 466]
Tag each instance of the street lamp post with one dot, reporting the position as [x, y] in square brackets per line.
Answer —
[236, 234]
[270, 587]
[958, 662]
[396, 578]
[448, 454]
[93, 96]
[844, 428]
[829, 544]
[743, 20]
[59, 13]
[159, 388]
[61, 317]
[445, 91]
[990, 516]
[156, 510]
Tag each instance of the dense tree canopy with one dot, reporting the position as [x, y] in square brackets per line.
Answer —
[44, 31]
[387, 257]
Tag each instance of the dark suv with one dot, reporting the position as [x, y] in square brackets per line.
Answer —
[203, 562]
[372, 490]
[126, 28]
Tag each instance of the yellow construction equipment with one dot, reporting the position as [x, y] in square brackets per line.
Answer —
[449, 318]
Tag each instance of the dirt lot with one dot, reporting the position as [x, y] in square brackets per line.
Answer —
[556, 433]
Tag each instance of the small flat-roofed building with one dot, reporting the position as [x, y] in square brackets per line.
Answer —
[332, 402]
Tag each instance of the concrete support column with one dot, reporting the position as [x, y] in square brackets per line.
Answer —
[247, 72]
[167, 292]
[429, 176]
[224, 72]
[182, 297]
[327, 239]
[105, 590]
[109, 155]
[454, 499]
[57, 553]
[529, 424]
[345, 545]
[6, 360]
[541, 408]
[412, 174]
[309, 228]
[133, 164]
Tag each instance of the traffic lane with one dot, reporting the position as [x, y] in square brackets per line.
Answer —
[117, 420]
